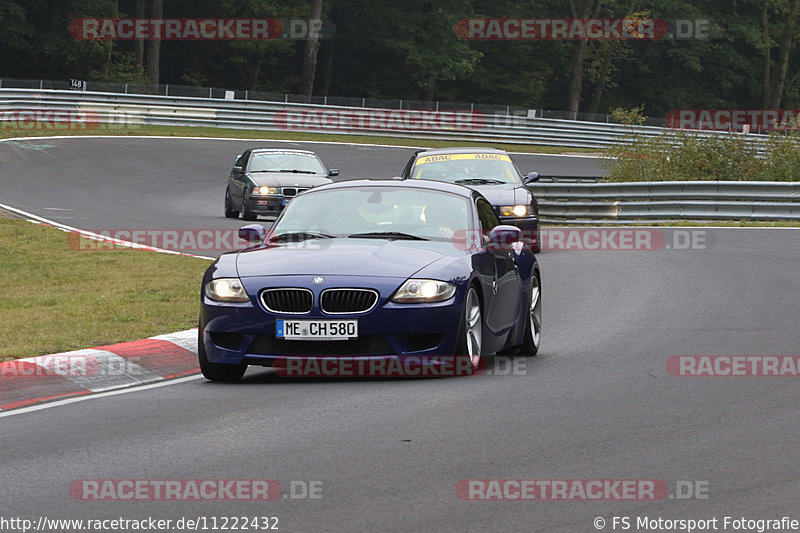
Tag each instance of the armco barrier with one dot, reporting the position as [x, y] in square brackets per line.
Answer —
[670, 200]
[452, 125]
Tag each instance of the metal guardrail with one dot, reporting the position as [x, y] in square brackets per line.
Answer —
[346, 101]
[679, 200]
[117, 110]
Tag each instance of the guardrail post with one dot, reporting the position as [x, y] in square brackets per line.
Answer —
[210, 92]
[41, 85]
[401, 103]
[126, 88]
[363, 102]
[245, 94]
[166, 90]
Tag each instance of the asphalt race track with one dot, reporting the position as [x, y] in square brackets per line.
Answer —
[597, 404]
[172, 183]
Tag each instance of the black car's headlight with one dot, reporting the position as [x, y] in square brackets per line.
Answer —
[516, 210]
[226, 290]
[424, 291]
[263, 191]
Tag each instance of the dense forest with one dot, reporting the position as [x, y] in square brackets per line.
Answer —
[411, 50]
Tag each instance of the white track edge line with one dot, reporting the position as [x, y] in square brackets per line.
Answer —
[97, 236]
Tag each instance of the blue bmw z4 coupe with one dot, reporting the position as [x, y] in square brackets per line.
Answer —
[411, 271]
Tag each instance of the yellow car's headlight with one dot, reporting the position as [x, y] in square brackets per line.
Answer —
[226, 290]
[516, 210]
[424, 291]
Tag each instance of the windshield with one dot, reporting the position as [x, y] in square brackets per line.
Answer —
[466, 168]
[286, 162]
[376, 211]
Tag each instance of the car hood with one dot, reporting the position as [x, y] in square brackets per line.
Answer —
[505, 194]
[341, 256]
[288, 179]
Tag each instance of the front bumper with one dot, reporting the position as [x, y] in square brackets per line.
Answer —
[268, 205]
[246, 333]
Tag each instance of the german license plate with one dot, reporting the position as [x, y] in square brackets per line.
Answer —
[316, 330]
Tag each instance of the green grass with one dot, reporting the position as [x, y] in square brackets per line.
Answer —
[172, 131]
[59, 299]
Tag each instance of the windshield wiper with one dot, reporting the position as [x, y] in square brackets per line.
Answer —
[480, 181]
[287, 171]
[297, 236]
[391, 235]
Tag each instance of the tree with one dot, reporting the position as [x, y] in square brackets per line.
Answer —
[579, 9]
[312, 47]
[153, 67]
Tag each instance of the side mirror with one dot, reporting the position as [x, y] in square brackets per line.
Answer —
[333, 172]
[238, 170]
[503, 237]
[253, 233]
[531, 177]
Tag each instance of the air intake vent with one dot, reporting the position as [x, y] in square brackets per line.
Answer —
[344, 301]
[290, 301]
[292, 191]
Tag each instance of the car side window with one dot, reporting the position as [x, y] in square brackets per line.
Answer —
[243, 159]
[486, 215]
[409, 166]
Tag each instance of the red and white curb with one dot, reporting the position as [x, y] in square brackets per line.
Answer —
[29, 381]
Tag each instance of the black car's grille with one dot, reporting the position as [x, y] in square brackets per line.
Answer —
[292, 191]
[292, 301]
[363, 346]
[342, 301]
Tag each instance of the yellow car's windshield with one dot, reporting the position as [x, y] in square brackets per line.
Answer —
[466, 168]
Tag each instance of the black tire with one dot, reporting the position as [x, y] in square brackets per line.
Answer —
[532, 339]
[469, 344]
[246, 213]
[216, 371]
[230, 212]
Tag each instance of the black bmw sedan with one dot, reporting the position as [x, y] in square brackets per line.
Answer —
[264, 180]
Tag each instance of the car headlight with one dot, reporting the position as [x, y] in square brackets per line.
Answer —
[515, 210]
[226, 290]
[424, 291]
[263, 191]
